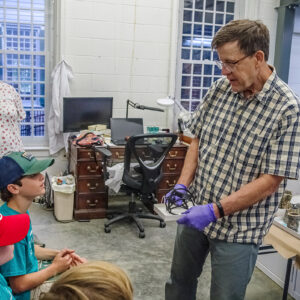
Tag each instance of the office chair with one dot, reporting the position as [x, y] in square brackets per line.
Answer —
[149, 150]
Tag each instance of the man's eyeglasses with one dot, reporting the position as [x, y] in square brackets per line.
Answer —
[229, 66]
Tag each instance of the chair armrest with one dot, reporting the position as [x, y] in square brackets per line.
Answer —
[104, 151]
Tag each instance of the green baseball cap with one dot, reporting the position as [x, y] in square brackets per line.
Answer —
[18, 164]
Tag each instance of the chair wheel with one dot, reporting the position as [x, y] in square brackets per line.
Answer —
[107, 229]
[141, 235]
[162, 224]
[109, 216]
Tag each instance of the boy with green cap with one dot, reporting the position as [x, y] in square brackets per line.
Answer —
[20, 182]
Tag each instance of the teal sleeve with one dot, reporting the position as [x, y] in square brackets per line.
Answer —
[5, 290]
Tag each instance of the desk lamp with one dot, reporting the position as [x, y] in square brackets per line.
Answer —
[139, 106]
[178, 118]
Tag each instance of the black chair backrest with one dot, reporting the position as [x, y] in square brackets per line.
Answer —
[149, 150]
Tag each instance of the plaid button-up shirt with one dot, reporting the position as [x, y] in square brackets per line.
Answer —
[240, 139]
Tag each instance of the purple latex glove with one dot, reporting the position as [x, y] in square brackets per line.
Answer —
[198, 216]
[180, 188]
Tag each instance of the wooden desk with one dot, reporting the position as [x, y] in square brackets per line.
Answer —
[91, 195]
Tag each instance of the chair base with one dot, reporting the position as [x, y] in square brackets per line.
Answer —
[134, 216]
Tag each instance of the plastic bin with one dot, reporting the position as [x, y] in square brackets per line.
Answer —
[63, 198]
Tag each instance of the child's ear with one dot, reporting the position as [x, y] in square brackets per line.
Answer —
[13, 188]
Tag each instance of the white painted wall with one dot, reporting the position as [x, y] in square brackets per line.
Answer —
[294, 73]
[264, 10]
[119, 48]
[294, 79]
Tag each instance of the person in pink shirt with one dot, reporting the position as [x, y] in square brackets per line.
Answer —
[11, 114]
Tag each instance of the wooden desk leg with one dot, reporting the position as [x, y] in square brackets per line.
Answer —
[287, 278]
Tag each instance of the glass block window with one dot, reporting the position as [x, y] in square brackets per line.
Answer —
[23, 36]
[196, 71]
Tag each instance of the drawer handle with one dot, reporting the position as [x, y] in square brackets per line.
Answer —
[119, 156]
[173, 155]
[92, 170]
[91, 154]
[171, 184]
[92, 187]
[172, 168]
[92, 204]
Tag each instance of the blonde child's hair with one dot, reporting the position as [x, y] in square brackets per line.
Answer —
[96, 280]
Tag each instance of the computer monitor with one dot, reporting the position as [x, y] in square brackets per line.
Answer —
[125, 127]
[80, 112]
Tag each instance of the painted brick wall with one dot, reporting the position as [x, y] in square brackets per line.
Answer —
[119, 48]
[268, 14]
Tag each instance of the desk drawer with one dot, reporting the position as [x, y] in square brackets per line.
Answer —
[85, 154]
[172, 165]
[117, 155]
[89, 168]
[176, 152]
[91, 201]
[168, 181]
[90, 185]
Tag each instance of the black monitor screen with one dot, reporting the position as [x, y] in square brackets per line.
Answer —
[123, 127]
[80, 112]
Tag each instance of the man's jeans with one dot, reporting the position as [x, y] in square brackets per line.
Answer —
[232, 266]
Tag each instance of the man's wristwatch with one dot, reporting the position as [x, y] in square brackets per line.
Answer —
[220, 207]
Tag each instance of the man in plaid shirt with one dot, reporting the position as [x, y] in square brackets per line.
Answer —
[246, 145]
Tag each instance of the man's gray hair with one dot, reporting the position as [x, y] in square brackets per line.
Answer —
[251, 35]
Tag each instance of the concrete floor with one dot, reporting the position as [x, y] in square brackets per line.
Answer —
[147, 261]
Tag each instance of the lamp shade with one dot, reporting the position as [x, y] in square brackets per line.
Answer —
[165, 102]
